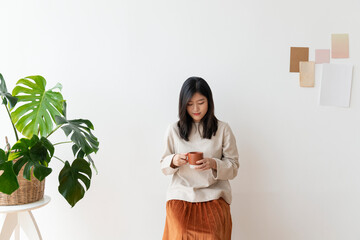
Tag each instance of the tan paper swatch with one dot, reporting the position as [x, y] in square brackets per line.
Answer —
[340, 45]
[298, 54]
[307, 74]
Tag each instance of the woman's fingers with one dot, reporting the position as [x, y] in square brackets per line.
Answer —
[183, 158]
[180, 159]
[202, 161]
[204, 164]
[202, 167]
[182, 162]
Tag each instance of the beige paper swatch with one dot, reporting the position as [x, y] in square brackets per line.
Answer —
[298, 54]
[307, 74]
[340, 45]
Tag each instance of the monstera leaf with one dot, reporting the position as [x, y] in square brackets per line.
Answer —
[78, 153]
[8, 180]
[35, 154]
[81, 136]
[7, 97]
[40, 107]
[70, 186]
[3, 156]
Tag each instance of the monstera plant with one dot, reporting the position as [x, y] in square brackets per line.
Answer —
[37, 113]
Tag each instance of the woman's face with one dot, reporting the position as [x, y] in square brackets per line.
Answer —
[197, 107]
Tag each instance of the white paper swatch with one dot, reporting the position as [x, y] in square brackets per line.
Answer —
[336, 85]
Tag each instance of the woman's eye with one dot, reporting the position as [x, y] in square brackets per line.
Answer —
[201, 103]
[189, 104]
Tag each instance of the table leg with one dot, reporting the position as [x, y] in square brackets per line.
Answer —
[11, 220]
[28, 224]
[17, 232]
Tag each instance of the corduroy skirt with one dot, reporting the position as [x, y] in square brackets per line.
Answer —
[197, 221]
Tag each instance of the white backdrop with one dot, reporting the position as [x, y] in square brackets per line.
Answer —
[122, 64]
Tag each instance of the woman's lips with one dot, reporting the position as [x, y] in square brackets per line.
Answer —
[196, 114]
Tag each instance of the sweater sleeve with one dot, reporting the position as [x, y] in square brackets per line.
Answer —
[168, 154]
[228, 165]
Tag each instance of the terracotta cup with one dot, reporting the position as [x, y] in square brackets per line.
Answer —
[193, 157]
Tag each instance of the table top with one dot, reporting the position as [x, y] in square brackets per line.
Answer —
[25, 207]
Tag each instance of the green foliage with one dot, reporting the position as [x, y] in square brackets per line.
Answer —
[8, 178]
[6, 97]
[3, 156]
[70, 186]
[37, 114]
[42, 112]
[80, 131]
[33, 153]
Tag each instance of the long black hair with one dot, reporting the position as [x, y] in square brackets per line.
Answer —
[209, 122]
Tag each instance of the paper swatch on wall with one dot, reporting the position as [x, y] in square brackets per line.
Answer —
[322, 56]
[340, 45]
[336, 85]
[298, 54]
[307, 74]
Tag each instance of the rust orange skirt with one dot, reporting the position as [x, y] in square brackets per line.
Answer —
[197, 221]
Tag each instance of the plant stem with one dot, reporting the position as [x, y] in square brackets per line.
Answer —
[16, 135]
[59, 159]
[7, 144]
[54, 130]
[62, 143]
[92, 163]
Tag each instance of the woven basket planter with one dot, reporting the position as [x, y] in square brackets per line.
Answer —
[28, 192]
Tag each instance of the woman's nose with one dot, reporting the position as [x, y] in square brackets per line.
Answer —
[196, 107]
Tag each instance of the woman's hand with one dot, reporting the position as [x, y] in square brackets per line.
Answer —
[179, 160]
[205, 164]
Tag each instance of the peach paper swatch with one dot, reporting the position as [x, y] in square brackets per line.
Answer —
[340, 45]
[298, 54]
[322, 56]
[307, 74]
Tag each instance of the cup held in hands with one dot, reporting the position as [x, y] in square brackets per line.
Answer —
[193, 157]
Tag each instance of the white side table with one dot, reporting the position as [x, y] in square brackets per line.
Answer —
[20, 216]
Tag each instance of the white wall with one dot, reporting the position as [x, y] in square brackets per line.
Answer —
[122, 64]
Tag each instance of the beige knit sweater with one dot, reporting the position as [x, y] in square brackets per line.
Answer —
[200, 186]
